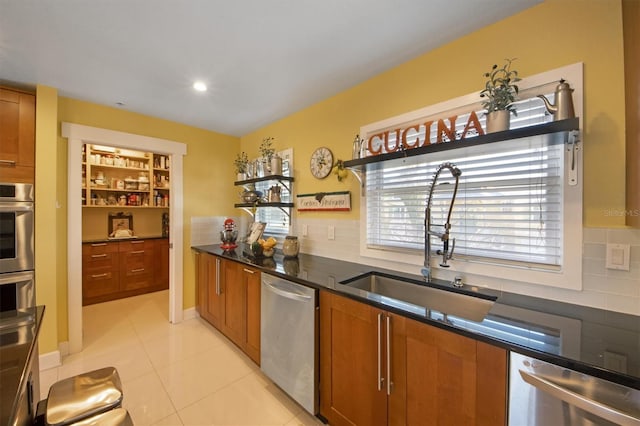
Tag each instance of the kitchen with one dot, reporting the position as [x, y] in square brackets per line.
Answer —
[596, 39]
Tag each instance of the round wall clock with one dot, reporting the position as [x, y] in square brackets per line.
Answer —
[321, 162]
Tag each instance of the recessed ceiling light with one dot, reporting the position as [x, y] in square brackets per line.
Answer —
[200, 86]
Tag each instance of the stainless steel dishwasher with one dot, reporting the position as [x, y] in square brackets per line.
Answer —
[546, 394]
[289, 338]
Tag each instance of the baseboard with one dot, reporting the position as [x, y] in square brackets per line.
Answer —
[50, 360]
[190, 313]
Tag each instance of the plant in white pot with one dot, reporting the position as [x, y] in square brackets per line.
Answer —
[267, 153]
[241, 162]
[500, 92]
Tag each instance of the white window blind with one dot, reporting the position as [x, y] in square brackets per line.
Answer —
[509, 204]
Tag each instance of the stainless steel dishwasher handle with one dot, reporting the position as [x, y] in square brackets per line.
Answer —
[594, 407]
[288, 294]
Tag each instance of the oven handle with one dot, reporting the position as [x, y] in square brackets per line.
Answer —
[16, 277]
[288, 294]
[589, 405]
[15, 207]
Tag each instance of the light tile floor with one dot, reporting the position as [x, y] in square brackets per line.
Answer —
[182, 374]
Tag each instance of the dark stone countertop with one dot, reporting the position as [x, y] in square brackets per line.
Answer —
[597, 342]
[115, 240]
[18, 337]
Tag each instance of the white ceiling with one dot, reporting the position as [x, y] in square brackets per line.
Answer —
[262, 59]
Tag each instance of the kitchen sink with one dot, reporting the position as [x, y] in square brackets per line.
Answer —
[447, 301]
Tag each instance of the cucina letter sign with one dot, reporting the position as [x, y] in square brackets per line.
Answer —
[408, 138]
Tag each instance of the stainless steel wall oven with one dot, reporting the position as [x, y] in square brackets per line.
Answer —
[16, 246]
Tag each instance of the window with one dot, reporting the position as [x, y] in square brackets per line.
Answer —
[510, 212]
[278, 220]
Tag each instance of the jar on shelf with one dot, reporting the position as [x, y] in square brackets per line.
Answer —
[290, 246]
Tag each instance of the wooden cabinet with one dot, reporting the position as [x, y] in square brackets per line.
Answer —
[229, 299]
[404, 371]
[17, 136]
[118, 269]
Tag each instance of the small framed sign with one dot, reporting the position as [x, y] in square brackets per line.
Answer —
[324, 201]
[120, 225]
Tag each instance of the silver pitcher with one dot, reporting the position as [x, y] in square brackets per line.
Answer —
[563, 108]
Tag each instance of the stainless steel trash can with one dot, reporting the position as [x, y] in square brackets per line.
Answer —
[82, 396]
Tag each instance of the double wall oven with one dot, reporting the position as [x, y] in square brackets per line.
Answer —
[17, 288]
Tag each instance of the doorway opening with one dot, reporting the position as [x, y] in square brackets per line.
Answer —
[78, 135]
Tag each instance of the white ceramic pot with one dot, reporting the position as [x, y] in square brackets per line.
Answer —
[498, 121]
[276, 165]
[241, 176]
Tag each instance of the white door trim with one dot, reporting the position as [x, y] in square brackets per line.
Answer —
[77, 135]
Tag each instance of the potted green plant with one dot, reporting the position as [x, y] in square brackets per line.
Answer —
[500, 92]
[267, 153]
[240, 164]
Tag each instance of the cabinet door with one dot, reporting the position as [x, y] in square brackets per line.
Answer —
[349, 360]
[202, 282]
[17, 136]
[234, 313]
[252, 343]
[214, 302]
[452, 379]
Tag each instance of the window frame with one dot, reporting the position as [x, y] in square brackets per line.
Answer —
[569, 275]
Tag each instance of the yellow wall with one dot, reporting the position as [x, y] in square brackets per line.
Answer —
[547, 36]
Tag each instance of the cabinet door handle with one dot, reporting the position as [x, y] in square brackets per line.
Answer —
[95, 256]
[137, 242]
[8, 162]
[137, 252]
[248, 271]
[218, 291]
[98, 244]
[138, 270]
[380, 378]
[99, 275]
[389, 382]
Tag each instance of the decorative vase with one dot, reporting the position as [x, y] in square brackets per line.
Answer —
[241, 176]
[276, 165]
[498, 121]
[266, 166]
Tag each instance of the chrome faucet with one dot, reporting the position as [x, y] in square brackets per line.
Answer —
[444, 236]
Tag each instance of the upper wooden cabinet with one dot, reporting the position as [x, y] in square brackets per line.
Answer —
[17, 136]
[631, 31]
[404, 372]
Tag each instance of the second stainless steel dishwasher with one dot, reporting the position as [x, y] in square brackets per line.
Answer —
[289, 338]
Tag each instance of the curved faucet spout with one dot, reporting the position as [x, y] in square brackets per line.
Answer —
[444, 236]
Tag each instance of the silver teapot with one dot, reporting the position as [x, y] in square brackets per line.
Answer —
[563, 108]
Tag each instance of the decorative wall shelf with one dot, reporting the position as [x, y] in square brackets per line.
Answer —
[562, 128]
[562, 131]
[286, 181]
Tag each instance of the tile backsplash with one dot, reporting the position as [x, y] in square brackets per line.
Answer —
[603, 288]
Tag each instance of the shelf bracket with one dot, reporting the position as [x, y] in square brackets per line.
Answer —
[358, 175]
[250, 211]
[572, 147]
[286, 211]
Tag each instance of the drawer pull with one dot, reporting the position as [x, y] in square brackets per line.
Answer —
[138, 270]
[95, 256]
[137, 252]
[137, 242]
[249, 271]
[8, 162]
[99, 275]
[98, 244]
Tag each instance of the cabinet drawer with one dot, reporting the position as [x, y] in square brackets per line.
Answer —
[89, 249]
[99, 283]
[100, 261]
[136, 245]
